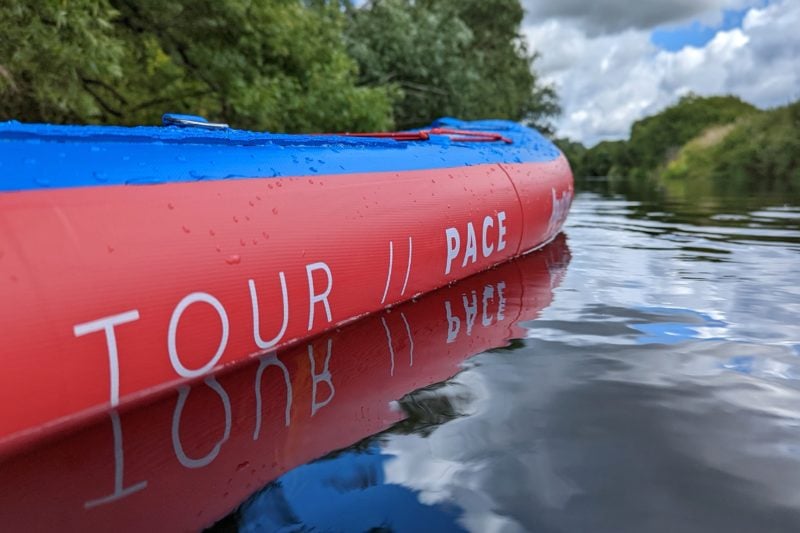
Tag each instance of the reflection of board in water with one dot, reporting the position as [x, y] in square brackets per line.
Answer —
[189, 459]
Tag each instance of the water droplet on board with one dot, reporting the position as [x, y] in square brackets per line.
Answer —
[242, 243]
[219, 248]
[212, 232]
[186, 230]
[234, 259]
[251, 203]
[274, 210]
[170, 206]
[247, 218]
[236, 219]
[110, 249]
[269, 186]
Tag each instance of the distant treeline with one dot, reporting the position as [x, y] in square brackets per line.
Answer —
[282, 65]
[720, 139]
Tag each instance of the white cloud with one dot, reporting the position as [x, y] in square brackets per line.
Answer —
[607, 81]
[612, 16]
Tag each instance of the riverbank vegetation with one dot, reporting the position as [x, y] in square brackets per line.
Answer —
[717, 142]
[281, 65]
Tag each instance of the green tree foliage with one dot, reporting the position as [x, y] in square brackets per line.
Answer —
[261, 64]
[286, 65]
[656, 139]
[702, 144]
[760, 152]
[464, 58]
[600, 160]
[52, 57]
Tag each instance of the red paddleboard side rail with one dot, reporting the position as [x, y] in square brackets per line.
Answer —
[117, 292]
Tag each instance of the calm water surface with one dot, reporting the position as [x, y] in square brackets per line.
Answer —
[656, 390]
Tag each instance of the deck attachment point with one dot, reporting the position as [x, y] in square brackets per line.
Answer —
[191, 121]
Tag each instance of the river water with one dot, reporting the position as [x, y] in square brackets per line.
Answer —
[640, 373]
[656, 391]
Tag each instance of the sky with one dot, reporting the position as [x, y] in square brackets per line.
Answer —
[613, 62]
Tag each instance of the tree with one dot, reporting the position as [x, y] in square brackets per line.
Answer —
[760, 152]
[258, 64]
[656, 139]
[54, 56]
[603, 158]
[464, 58]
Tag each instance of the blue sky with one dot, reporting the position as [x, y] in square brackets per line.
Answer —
[695, 33]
